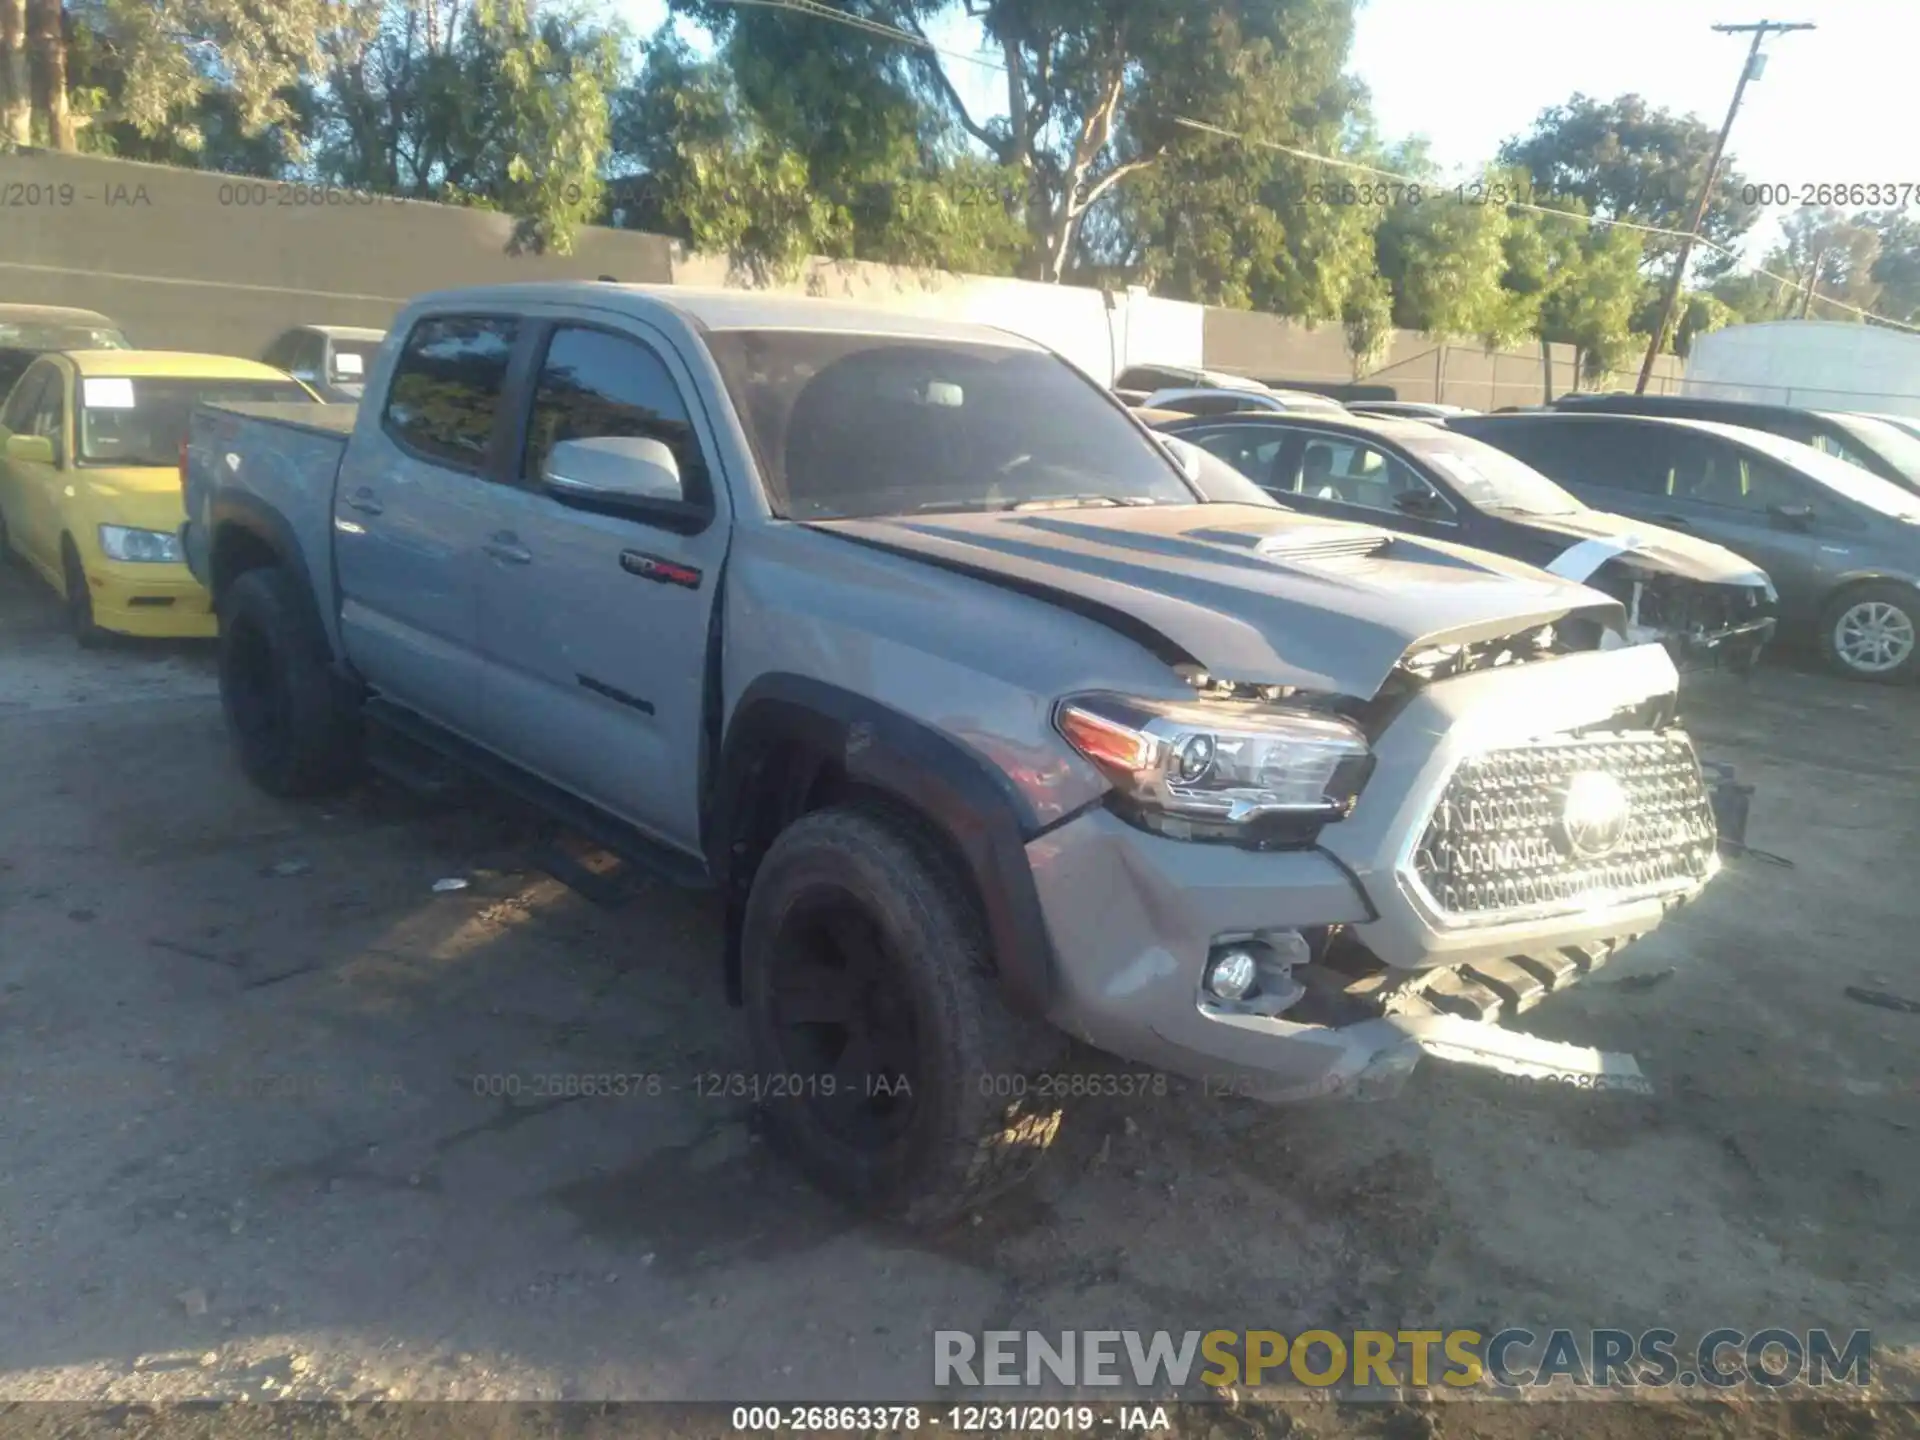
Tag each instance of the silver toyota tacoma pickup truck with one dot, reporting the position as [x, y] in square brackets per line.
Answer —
[988, 727]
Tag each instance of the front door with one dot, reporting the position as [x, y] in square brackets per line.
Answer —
[23, 483]
[1345, 478]
[1748, 503]
[596, 624]
[410, 511]
[40, 484]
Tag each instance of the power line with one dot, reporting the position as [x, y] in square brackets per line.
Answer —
[816, 10]
[1414, 181]
[1791, 284]
[870, 27]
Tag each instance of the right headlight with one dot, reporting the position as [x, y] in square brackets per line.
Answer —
[1243, 771]
[151, 547]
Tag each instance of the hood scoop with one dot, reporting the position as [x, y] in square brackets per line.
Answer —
[1305, 545]
[1315, 540]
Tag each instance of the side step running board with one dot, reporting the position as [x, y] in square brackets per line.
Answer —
[588, 821]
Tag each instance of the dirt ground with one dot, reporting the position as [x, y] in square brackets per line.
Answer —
[246, 1149]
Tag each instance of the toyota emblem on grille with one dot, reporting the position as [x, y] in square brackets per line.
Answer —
[1594, 816]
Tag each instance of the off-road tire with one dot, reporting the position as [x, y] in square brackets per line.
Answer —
[976, 1130]
[78, 597]
[295, 729]
[1904, 599]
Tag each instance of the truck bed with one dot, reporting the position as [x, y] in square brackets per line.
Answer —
[296, 414]
[272, 459]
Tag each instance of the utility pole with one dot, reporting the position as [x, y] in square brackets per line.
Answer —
[1813, 279]
[1750, 71]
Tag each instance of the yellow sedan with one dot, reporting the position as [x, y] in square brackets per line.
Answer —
[90, 444]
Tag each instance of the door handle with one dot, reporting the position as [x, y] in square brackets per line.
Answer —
[1677, 522]
[505, 546]
[363, 500]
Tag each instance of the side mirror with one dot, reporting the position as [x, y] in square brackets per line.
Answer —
[1420, 503]
[614, 469]
[1794, 517]
[34, 449]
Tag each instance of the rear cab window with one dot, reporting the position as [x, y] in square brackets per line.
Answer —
[447, 385]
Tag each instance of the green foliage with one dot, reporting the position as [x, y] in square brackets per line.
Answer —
[1093, 89]
[719, 175]
[1699, 314]
[1751, 299]
[1896, 268]
[1366, 315]
[1625, 160]
[169, 56]
[1445, 259]
[550, 119]
[1833, 255]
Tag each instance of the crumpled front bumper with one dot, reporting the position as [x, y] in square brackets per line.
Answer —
[1132, 917]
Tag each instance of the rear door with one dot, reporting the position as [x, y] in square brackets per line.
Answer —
[1613, 463]
[595, 622]
[411, 510]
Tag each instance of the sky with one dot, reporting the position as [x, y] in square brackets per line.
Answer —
[1836, 103]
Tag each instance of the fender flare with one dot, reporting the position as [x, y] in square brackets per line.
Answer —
[968, 800]
[249, 513]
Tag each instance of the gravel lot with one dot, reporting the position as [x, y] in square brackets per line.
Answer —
[246, 1149]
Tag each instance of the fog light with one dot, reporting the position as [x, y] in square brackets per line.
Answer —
[1231, 973]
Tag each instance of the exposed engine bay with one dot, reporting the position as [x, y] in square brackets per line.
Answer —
[1704, 624]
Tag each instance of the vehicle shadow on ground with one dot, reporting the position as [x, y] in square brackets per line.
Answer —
[281, 1111]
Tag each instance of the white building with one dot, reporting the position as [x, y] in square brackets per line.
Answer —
[1815, 364]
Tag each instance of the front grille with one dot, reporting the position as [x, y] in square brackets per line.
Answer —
[1499, 841]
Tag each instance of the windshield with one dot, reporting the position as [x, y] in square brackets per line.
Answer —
[1861, 486]
[847, 426]
[143, 420]
[1488, 477]
[1896, 446]
[16, 335]
[352, 359]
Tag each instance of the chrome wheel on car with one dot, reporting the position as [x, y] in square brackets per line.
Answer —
[1874, 637]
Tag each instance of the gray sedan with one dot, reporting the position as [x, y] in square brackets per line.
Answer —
[1841, 545]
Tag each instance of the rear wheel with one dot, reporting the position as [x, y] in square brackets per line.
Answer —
[1869, 632]
[295, 730]
[890, 1069]
[79, 597]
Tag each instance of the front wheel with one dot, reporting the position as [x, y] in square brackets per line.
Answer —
[886, 1057]
[295, 731]
[1869, 632]
[79, 598]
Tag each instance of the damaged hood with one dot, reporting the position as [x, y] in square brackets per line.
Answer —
[1247, 593]
[1605, 535]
